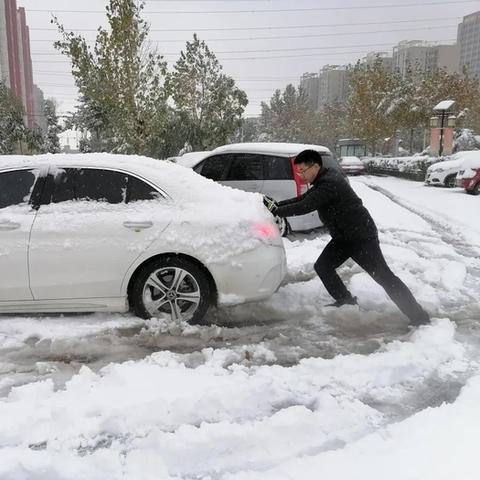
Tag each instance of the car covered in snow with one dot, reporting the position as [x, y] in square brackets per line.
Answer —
[100, 232]
[443, 173]
[352, 165]
[469, 175]
[266, 168]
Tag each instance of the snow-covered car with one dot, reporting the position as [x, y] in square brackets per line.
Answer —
[443, 173]
[104, 232]
[469, 175]
[191, 159]
[352, 165]
[266, 168]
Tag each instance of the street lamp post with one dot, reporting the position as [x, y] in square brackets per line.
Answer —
[442, 113]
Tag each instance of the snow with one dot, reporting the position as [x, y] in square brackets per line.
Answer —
[190, 159]
[272, 148]
[282, 389]
[445, 165]
[444, 105]
[214, 221]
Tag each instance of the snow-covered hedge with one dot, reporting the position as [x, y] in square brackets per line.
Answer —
[413, 167]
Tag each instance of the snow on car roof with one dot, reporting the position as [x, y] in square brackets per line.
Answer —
[447, 164]
[200, 204]
[470, 159]
[270, 148]
[184, 185]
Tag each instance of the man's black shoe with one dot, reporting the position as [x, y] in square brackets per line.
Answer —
[345, 301]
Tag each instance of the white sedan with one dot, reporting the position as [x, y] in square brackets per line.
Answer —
[100, 232]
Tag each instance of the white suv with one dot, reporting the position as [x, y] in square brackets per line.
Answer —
[266, 168]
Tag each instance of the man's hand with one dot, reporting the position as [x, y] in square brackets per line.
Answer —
[271, 204]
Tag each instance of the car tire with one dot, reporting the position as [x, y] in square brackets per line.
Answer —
[172, 286]
[449, 181]
[283, 226]
[475, 190]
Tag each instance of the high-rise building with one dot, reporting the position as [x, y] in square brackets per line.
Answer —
[384, 57]
[468, 40]
[15, 59]
[310, 84]
[330, 85]
[424, 56]
[39, 109]
[334, 85]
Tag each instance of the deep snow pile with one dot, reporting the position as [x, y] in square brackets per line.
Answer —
[241, 411]
[210, 414]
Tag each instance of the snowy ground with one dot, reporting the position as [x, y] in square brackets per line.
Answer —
[283, 389]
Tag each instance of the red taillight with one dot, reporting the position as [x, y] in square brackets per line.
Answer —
[267, 231]
[301, 187]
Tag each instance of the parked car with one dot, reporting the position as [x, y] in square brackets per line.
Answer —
[469, 175]
[266, 168]
[99, 232]
[352, 165]
[443, 173]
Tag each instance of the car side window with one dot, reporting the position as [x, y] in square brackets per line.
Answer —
[138, 190]
[215, 167]
[63, 185]
[89, 184]
[246, 166]
[100, 185]
[16, 187]
[278, 168]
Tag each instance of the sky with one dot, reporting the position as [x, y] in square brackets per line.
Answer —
[262, 44]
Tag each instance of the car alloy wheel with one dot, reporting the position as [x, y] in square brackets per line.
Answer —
[172, 287]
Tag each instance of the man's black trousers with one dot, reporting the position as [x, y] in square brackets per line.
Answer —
[368, 255]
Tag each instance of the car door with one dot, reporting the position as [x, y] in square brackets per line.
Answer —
[90, 232]
[245, 172]
[17, 214]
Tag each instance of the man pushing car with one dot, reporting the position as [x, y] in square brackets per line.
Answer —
[353, 231]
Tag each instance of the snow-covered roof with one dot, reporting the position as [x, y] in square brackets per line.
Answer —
[272, 148]
[445, 105]
[468, 159]
[445, 165]
[184, 184]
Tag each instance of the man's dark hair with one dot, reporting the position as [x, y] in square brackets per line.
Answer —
[309, 157]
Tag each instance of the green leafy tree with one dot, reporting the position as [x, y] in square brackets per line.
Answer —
[371, 103]
[332, 124]
[51, 140]
[12, 128]
[207, 104]
[289, 117]
[122, 102]
[15, 137]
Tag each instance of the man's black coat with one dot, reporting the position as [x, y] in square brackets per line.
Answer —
[338, 206]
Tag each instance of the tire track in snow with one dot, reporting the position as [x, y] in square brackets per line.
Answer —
[449, 235]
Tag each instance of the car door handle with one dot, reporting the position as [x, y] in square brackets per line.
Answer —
[137, 225]
[5, 226]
